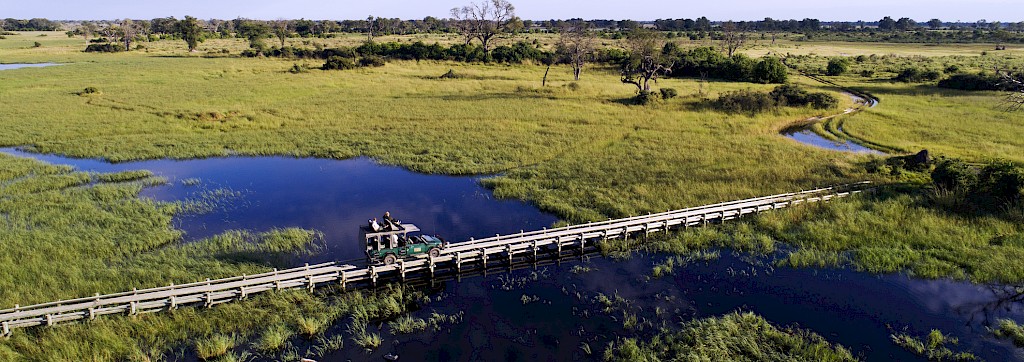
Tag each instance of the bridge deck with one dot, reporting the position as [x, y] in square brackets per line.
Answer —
[472, 254]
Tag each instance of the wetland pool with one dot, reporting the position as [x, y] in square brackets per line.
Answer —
[551, 313]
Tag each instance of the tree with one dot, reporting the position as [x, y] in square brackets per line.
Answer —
[732, 37]
[281, 31]
[575, 45]
[770, 70]
[255, 32]
[128, 30]
[906, 24]
[934, 23]
[703, 24]
[1015, 99]
[191, 32]
[88, 29]
[645, 62]
[887, 24]
[484, 20]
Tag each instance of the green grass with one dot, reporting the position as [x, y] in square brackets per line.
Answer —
[733, 337]
[581, 153]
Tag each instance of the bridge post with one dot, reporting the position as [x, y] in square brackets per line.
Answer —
[6, 332]
[558, 241]
[430, 260]
[49, 318]
[705, 220]
[508, 249]
[373, 275]
[92, 313]
[309, 283]
[534, 247]
[174, 304]
[583, 244]
[209, 300]
[401, 269]
[134, 308]
[344, 280]
[483, 258]
[241, 293]
[458, 263]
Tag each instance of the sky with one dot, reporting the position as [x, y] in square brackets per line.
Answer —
[826, 10]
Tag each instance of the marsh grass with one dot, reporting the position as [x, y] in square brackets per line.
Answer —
[1008, 329]
[215, 346]
[732, 337]
[934, 347]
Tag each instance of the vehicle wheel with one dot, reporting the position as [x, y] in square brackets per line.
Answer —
[390, 259]
[434, 252]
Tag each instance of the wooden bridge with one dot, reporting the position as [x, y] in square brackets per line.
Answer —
[458, 258]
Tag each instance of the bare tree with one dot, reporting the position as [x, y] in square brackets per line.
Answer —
[484, 20]
[88, 29]
[461, 23]
[281, 31]
[128, 31]
[1015, 99]
[732, 37]
[576, 45]
[645, 61]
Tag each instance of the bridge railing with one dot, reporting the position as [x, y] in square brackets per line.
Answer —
[212, 292]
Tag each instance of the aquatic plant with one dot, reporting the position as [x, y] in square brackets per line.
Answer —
[934, 347]
[1009, 329]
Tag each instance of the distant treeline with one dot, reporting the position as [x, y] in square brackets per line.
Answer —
[393, 26]
[36, 24]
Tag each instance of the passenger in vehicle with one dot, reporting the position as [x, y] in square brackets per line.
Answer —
[374, 225]
[389, 222]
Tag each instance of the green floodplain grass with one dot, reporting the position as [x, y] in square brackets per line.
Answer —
[583, 154]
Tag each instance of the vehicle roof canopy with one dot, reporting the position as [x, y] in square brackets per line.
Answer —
[403, 229]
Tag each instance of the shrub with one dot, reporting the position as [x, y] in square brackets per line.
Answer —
[972, 82]
[954, 174]
[669, 93]
[573, 86]
[915, 75]
[371, 61]
[837, 66]
[822, 100]
[790, 95]
[645, 97]
[104, 48]
[296, 69]
[338, 63]
[90, 90]
[770, 70]
[744, 101]
[867, 73]
[37, 45]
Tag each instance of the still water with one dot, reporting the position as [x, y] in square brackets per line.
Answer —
[549, 313]
[332, 196]
[33, 65]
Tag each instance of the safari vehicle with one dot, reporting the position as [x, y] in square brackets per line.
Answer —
[391, 245]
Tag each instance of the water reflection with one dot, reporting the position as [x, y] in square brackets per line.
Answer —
[552, 317]
[332, 196]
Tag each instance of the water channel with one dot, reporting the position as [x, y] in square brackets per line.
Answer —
[549, 313]
[806, 134]
[26, 65]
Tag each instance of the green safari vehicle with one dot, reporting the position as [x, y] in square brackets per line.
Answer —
[389, 246]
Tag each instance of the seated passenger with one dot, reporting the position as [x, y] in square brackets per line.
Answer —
[390, 223]
[374, 225]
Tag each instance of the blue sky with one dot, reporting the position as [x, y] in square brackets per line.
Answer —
[870, 10]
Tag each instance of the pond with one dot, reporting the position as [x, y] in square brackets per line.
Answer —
[332, 196]
[550, 313]
[32, 65]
